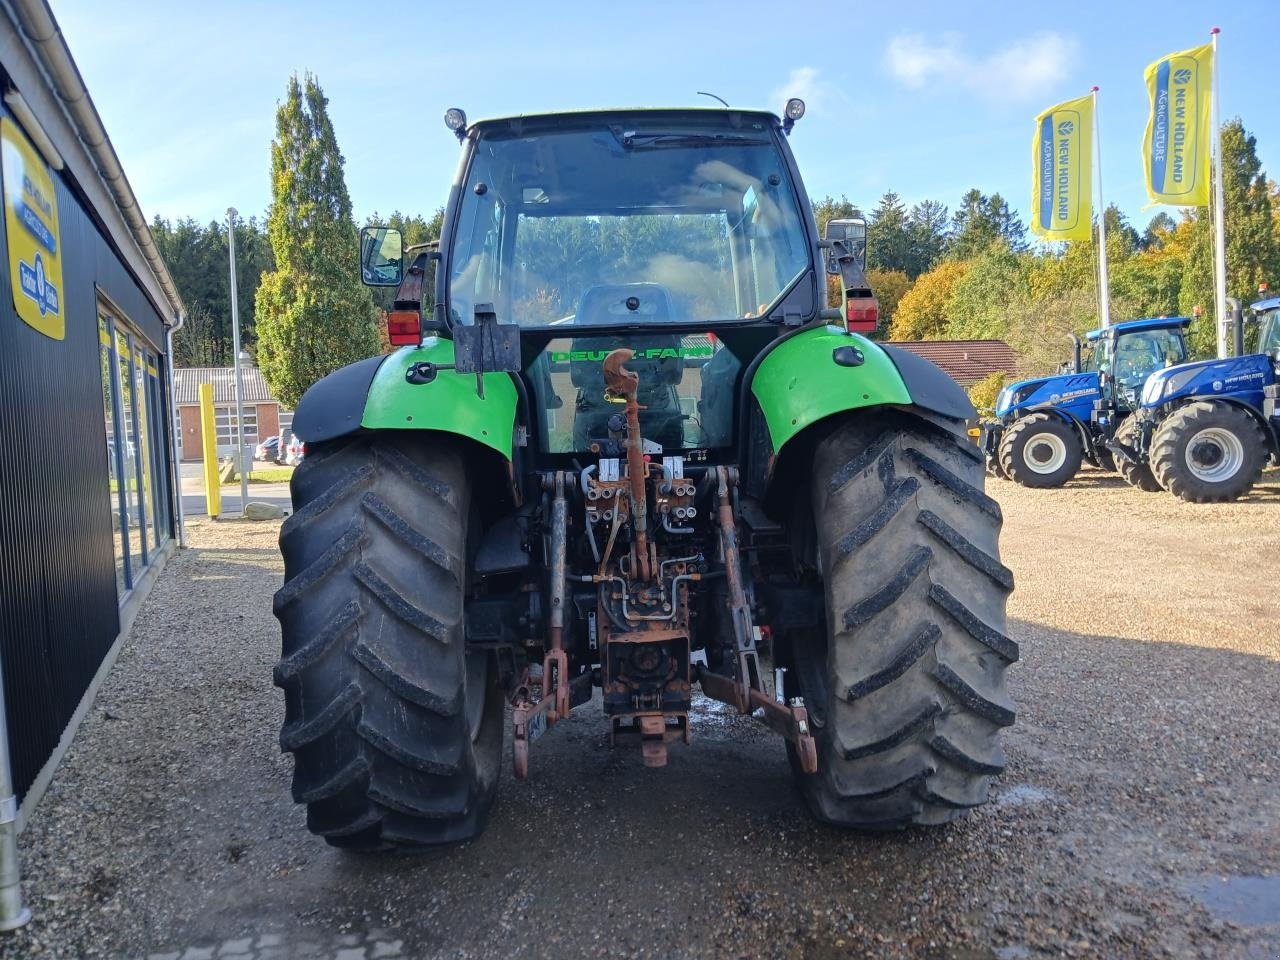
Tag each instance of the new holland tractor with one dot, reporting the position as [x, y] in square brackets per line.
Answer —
[1044, 428]
[1208, 429]
[625, 454]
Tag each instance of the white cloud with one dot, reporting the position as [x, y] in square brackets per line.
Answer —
[1023, 70]
[805, 83]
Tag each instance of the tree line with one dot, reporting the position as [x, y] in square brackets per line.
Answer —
[974, 275]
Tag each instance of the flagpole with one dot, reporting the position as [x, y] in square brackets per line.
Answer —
[1219, 213]
[1104, 283]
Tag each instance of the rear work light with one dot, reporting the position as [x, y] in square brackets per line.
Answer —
[861, 313]
[404, 327]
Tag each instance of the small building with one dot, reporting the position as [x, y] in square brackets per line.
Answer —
[87, 310]
[965, 361]
[263, 415]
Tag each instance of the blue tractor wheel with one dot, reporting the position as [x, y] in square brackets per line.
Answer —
[1208, 452]
[1041, 450]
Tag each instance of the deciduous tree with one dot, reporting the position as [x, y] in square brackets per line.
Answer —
[922, 312]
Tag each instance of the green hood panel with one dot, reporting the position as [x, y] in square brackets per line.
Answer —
[447, 403]
[799, 383]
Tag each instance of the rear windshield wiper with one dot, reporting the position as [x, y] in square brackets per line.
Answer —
[654, 140]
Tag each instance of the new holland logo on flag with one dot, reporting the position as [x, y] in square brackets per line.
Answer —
[1062, 193]
[1175, 150]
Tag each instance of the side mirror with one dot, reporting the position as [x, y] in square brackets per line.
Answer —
[381, 256]
[846, 243]
[853, 234]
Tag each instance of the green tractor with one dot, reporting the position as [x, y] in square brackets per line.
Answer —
[625, 446]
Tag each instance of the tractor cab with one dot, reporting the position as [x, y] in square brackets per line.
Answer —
[1267, 315]
[1125, 354]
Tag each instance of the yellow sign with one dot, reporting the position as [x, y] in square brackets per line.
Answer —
[209, 444]
[31, 226]
[1175, 149]
[1062, 193]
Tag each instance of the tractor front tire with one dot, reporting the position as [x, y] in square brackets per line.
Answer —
[395, 730]
[1040, 450]
[1208, 452]
[906, 685]
[1135, 474]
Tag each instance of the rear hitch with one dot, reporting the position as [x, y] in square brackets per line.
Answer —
[530, 720]
[745, 691]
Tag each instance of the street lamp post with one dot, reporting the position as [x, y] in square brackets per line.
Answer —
[235, 352]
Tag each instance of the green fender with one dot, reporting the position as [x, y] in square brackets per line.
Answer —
[799, 382]
[449, 402]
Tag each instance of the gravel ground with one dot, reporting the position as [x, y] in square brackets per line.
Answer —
[1139, 815]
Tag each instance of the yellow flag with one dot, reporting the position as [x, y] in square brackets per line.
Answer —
[1062, 190]
[1175, 149]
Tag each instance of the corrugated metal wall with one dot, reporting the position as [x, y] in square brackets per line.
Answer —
[58, 606]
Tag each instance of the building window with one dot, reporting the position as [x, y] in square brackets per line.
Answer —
[132, 401]
[224, 419]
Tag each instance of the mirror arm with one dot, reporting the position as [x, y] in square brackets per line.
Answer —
[852, 274]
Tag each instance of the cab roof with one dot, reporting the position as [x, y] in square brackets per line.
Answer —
[608, 112]
[1269, 304]
[1132, 326]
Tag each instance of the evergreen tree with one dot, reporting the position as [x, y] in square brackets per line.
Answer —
[980, 221]
[1121, 237]
[888, 238]
[829, 208]
[313, 314]
[197, 258]
[927, 225]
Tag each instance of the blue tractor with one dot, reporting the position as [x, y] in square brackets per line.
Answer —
[1207, 429]
[1045, 428]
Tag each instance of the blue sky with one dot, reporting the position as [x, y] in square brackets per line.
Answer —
[924, 98]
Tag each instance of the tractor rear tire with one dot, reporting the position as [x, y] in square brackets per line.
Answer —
[1040, 450]
[906, 685]
[1137, 475]
[1208, 452]
[395, 730]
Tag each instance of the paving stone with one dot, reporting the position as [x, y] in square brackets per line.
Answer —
[233, 948]
[385, 949]
[270, 940]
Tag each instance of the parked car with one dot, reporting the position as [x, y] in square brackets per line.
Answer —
[296, 452]
[268, 449]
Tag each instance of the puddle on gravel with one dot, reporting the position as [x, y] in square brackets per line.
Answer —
[1251, 901]
[1022, 795]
